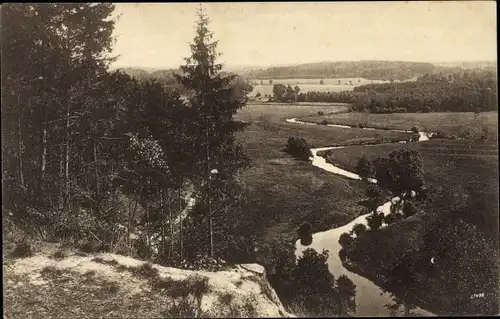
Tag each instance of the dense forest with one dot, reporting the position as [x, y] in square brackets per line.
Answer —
[103, 161]
[464, 91]
[373, 70]
[82, 144]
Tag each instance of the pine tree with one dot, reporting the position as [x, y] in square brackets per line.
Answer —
[213, 102]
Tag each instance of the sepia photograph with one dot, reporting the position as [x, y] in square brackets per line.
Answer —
[250, 159]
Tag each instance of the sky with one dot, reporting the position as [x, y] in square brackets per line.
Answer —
[157, 35]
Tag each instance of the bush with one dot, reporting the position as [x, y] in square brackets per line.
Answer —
[374, 191]
[409, 209]
[304, 230]
[439, 135]
[389, 219]
[298, 147]
[321, 113]
[22, 250]
[146, 270]
[415, 129]
[364, 168]
[358, 229]
[345, 240]
[375, 220]
[324, 122]
[468, 133]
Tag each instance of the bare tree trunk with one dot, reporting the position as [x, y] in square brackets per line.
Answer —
[66, 168]
[61, 189]
[181, 242]
[209, 203]
[162, 225]
[96, 169]
[43, 154]
[20, 144]
[406, 310]
[148, 241]
[209, 208]
[171, 233]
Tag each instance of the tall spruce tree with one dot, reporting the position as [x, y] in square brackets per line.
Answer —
[213, 104]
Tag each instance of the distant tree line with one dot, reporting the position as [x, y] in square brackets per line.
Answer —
[457, 92]
[374, 70]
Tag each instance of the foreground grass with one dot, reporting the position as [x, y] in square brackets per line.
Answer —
[69, 295]
[451, 123]
[71, 284]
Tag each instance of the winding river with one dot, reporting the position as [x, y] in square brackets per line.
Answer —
[370, 299]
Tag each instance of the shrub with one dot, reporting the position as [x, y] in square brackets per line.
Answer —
[364, 168]
[146, 270]
[389, 219]
[374, 191]
[468, 133]
[226, 298]
[324, 122]
[345, 239]
[60, 254]
[358, 229]
[415, 129]
[22, 249]
[409, 209]
[304, 229]
[298, 147]
[51, 270]
[321, 113]
[88, 246]
[375, 220]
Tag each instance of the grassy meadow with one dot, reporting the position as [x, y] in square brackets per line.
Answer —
[451, 123]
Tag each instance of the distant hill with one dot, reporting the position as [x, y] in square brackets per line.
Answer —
[468, 64]
[166, 77]
[373, 70]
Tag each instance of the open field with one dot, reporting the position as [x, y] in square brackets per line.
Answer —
[455, 164]
[451, 123]
[304, 88]
[286, 192]
[317, 81]
[306, 85]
